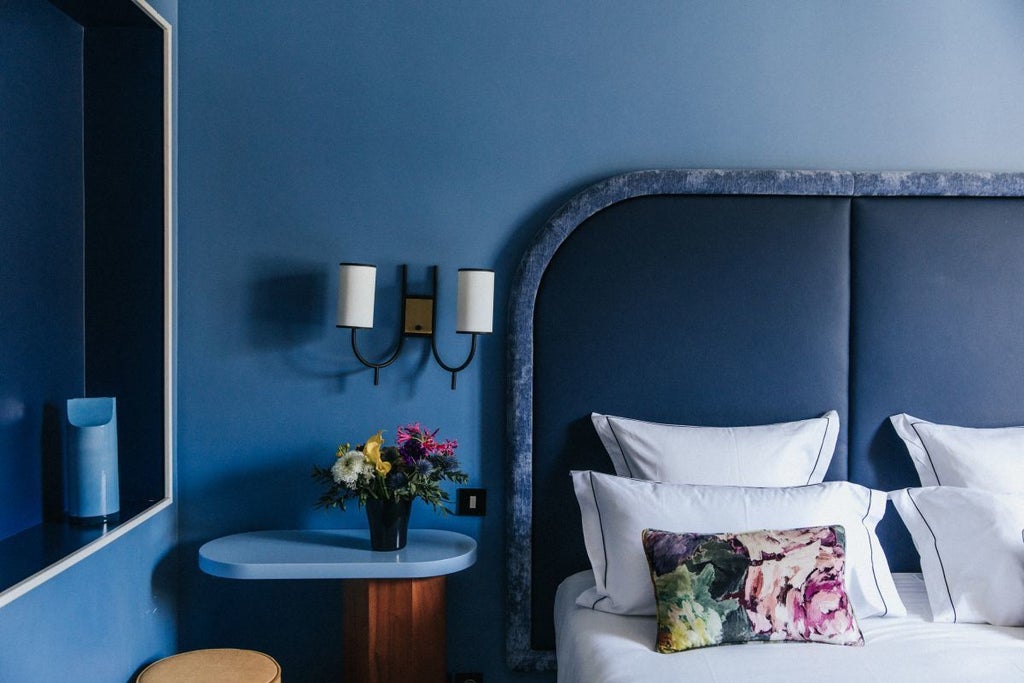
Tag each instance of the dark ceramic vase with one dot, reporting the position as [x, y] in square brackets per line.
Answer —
[389, 522]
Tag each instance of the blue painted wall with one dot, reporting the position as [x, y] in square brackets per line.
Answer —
[446, 132]
[111, 613]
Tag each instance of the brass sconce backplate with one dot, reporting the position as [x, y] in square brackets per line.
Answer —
[419, 312]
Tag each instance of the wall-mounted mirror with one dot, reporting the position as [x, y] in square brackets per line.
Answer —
[86, 289]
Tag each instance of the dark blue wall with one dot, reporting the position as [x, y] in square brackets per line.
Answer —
[124, 244]
[446, 133]
[41, 328]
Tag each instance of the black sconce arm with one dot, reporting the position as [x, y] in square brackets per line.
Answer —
[448, 368]
[455, 370]
[376, 365]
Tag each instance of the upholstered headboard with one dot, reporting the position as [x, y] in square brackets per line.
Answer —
[749, 297]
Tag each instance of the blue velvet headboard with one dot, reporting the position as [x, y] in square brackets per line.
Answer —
[749, 297]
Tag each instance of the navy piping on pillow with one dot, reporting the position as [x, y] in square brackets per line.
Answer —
[924, 447]
[871, 551]
[622, 451]
[600, 523]
[935, 542]
[828, 423]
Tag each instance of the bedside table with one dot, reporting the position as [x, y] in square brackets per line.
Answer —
[394, 601]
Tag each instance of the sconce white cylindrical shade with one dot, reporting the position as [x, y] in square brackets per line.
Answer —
[475, 307]
[357, 283]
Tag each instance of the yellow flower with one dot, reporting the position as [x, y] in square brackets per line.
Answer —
[372, 453]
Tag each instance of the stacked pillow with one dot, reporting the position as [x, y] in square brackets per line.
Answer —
[943, 455]
[783, 454]
[967, 519]
[755, 491]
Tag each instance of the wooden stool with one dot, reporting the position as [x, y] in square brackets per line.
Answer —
[213, 666]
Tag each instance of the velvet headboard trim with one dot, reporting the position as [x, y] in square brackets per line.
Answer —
[520, 654]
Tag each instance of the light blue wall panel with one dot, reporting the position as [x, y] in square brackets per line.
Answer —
[446, 132]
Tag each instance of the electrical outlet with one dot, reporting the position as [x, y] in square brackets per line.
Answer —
[468, 678]
[471, 502]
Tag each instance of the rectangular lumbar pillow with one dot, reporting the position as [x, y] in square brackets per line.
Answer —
[970, 457]
[714, 589]
[972, 551]
[616, 510]
[782, 454]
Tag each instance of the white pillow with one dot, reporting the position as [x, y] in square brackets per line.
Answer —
[972, 553]
[783, 454]
[944, 455]
[616, 510]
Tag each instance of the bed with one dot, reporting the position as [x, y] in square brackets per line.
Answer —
[737, 298]
[604, 647]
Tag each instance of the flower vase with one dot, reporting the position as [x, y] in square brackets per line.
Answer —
[389, 522]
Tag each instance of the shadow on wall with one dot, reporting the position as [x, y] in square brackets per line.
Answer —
[269, 616]
[273, 617]
[287, 305]
[163, 586]
[52, 449]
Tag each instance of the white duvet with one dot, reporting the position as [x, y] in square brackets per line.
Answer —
[597, 647]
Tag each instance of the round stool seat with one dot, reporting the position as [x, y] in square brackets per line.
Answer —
[213, 666]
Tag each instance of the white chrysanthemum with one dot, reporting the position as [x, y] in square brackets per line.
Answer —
[347, 469]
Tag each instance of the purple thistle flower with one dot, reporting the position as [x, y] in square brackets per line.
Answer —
[396, 480]
[443, 463]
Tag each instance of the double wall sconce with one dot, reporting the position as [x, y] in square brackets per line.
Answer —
[357, 283]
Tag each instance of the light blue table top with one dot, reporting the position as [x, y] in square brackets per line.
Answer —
[335, 554]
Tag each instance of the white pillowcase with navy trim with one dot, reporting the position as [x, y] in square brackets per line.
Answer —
[972, 551]
[976, 458]
[616, 510]
[782, 454]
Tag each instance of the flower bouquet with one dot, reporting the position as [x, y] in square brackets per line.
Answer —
[386, 479]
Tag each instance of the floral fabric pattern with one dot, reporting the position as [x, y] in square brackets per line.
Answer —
[712, 589]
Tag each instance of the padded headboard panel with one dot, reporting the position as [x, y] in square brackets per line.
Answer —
[938, 330]
[748, 297]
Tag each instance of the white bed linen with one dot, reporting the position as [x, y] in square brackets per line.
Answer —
[598, 647]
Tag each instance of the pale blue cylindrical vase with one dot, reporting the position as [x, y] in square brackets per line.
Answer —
[93, 492]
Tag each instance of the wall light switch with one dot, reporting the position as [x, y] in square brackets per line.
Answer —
[471, 502]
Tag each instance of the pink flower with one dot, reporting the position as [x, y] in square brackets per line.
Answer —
[408, 432]
[795, 587]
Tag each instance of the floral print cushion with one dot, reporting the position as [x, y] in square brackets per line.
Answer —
[712, 589]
